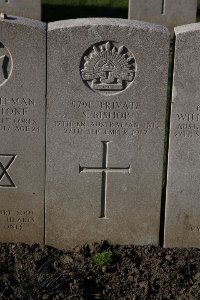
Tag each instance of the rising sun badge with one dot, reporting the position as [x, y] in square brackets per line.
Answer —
[107, 68]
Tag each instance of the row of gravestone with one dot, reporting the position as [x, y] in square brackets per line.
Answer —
[95, 171]
[23, 8]
[170, 13]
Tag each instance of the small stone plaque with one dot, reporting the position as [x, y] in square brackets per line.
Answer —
[105, 131]
[170, 13]
[22, 8]
[182, 228]
[22, 129]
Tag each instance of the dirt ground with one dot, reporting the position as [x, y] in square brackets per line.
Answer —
[136, 273]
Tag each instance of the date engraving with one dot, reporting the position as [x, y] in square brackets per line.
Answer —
[16, 220]
[110, 118]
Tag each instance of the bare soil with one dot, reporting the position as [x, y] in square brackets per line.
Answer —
[29, 273]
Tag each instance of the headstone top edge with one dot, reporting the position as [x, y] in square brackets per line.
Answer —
[107, 22]
[25, 22]
[187, 28]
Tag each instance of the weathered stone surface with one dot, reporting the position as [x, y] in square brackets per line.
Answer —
[183, 206]
[22, 8]
[170, 13]
[105, 131]
[22, 130]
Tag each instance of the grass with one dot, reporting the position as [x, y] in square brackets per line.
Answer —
[103, 259]
[104, 3]
[106, 258]
[54, 10]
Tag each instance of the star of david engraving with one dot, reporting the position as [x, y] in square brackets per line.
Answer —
[104, 170]
[6, 160]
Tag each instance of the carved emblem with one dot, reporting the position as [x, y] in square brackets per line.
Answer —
[6, 64]
[107, 68]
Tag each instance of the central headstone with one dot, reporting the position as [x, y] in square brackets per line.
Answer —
[170, 13]
[105, 131]
[22, 8]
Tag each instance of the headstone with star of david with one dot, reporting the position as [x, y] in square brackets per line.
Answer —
[105, 131]
[22, 129]
[182, 222]
[22, 8]
[170, 13]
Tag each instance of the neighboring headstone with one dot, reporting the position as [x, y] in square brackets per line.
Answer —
[170, 13]
[22, 8]
[22, 130]
[105, 131]
[182, 228]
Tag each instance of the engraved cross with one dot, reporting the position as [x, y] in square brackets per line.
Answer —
[104, 170]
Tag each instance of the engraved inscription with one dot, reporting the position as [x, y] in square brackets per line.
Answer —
[193, 228]
[111, 118]
[6, 64]
[107, 68]
[16, 115]
[104, 170]
[16, 220]
[188, 124]
[6, 160]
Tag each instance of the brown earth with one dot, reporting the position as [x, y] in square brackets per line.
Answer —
[137, 273]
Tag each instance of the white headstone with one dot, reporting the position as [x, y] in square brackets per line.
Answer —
[22, 129]
[105, 131]
[182, 225]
